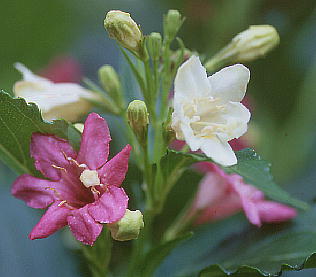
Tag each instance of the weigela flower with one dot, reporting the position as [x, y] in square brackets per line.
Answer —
[221, 195]
[207, 110]
[67, 101]
[81, 190]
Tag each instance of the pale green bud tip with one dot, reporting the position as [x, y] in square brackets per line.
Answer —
[172, 23]
[109, 79]
[255, 42]
[154, 43]
[79, 127]
[137, 114]
[124, 29]
[128, 227]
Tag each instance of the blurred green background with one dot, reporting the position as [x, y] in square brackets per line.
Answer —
[282, 90]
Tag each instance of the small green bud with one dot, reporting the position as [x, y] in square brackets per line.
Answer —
[128, 227]
[154, 43]
[168, 133]
[249, 45]
[111, 83]
[138, 119]
[172, 23]
[79, 127]
[125, 31]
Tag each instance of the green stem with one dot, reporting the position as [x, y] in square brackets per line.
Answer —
[99, 256]
[141, 247]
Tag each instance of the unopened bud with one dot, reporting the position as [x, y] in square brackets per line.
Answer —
[172, 23]
[255, 42]
[125, 31]
[79, 127]
[138, 119]
[128, 227]
[251, 44]
[154, 42]
[111, 83]
[168, 133]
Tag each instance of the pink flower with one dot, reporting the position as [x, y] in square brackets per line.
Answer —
[221, 195]
[82, 190]
[62, 69]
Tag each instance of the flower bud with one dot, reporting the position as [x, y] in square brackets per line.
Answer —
[138, 119]
[79, 127]
[169, 134]
[172, 23]
[251, 44]
[128, 227]
[125, 31]
[255, 42]
[111, 83]
[154, 43]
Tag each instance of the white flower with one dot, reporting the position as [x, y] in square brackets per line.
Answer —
[68, 101]
[207, 113]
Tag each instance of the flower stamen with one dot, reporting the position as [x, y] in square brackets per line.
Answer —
[58, 167]
[62, 203]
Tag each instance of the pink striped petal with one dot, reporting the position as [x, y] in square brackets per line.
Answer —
[113, 172]
[48, 151]
[54, 219]
[34, 191]
[83, 226]
[94, 149]
[111, 206]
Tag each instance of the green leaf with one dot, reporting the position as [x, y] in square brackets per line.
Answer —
[156, 255]
[232, 247]
[18, 120]
[267, 251]
[250, 166]
[256, 172]
[290, 251]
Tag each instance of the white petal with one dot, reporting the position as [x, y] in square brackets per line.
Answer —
[28, 75]
[63, 100]
[237, 120]
[191, 80]
[219, 151]
[189, 137]
[230, 83]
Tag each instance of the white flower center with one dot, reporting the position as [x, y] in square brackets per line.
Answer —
[206, 116]
[90, 178]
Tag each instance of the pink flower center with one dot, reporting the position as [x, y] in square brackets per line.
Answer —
[82, 185]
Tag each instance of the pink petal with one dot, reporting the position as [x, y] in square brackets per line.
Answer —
[273, 212]
[54, 219]
[94, 149]
[223, 208]
[212, 189]
[48, 150]
[249, 196]
[111, 206]
[83, 226]
[113, 172]
[34, 191]
[251, 211]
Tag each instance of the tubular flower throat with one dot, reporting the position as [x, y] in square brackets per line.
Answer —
[207, 110]
[81, 190]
